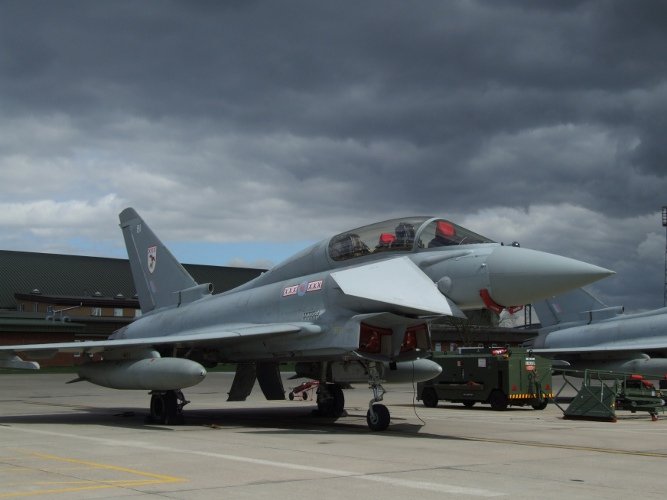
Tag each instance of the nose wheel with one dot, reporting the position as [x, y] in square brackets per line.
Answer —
[377, 416]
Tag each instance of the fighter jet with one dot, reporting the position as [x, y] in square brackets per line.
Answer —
[581, 332]
[354, 307]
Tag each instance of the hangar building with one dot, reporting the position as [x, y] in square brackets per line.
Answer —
[62, 298]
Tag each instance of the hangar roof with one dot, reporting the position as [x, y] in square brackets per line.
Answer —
[74, 275]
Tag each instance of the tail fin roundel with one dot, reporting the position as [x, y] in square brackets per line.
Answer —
[158, 276]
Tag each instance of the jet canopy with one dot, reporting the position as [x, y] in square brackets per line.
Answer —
[400, 235]
[379, 240]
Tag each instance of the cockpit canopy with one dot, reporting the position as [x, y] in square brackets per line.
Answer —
[396, 236]
[400, 235]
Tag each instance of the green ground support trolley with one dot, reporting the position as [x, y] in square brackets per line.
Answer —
[603, 393]
[500, 377]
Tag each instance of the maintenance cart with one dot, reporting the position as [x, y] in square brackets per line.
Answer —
[496, 376]
[603, 392]
[304, 391]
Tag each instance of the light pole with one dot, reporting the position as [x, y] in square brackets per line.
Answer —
[664, 224]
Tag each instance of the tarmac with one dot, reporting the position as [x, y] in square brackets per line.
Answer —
[75, 441]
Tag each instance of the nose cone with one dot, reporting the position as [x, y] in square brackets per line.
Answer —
[519, 276]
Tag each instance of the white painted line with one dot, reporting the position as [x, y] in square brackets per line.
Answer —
[378, 478]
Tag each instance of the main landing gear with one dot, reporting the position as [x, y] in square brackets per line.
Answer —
[330, 400]
[167, 407]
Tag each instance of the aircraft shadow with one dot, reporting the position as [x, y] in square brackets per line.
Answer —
[297, 420]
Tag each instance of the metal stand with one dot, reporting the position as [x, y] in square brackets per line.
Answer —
[603, 392]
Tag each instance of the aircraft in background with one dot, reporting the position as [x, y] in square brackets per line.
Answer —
[581, 332]
[351, 308]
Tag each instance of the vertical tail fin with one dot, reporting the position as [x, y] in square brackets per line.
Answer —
[158, 276]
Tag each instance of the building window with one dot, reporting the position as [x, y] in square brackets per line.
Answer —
[21, 308]
[118, 312]
[96, 311]
[137, 313]
[35, 307]
[49, 309]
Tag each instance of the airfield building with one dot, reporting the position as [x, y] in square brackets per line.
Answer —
[64, 298]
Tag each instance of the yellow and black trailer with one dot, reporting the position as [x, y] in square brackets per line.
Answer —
[497, 376]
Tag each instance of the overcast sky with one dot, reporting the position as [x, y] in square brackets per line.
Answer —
[244, 130]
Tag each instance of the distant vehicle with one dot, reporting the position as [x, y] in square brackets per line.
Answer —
[500, 377]
[354, 307]
[581, 333]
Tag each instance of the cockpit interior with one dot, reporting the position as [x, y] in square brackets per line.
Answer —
[400, 235]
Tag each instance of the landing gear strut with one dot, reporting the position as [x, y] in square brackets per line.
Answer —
[377, 416]
[167, 407]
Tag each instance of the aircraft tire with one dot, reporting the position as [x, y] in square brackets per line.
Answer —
[339, 400]
[379, 419]
[468, 404]
[334, 405]
[429, 397]
[164, 408]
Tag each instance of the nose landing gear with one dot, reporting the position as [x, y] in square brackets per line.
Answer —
[331, 401]
[377, 416]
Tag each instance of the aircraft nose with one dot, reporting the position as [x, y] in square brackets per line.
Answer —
[519, 276]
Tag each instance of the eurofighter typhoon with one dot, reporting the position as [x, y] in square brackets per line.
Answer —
[352, 308]
[580, 332]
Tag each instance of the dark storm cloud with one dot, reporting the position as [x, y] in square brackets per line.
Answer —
[328, 113]
[260, 63]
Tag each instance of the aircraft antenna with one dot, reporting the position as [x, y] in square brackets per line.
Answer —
[664, 224]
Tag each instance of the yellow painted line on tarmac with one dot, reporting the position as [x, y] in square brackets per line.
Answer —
[61, 487]
[386, 479]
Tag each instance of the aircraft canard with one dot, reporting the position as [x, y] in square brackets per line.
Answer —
[354, 307]
[377, 282]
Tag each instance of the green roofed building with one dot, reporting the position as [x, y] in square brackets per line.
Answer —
[57, 298]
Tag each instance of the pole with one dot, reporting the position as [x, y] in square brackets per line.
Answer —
[664, 224]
